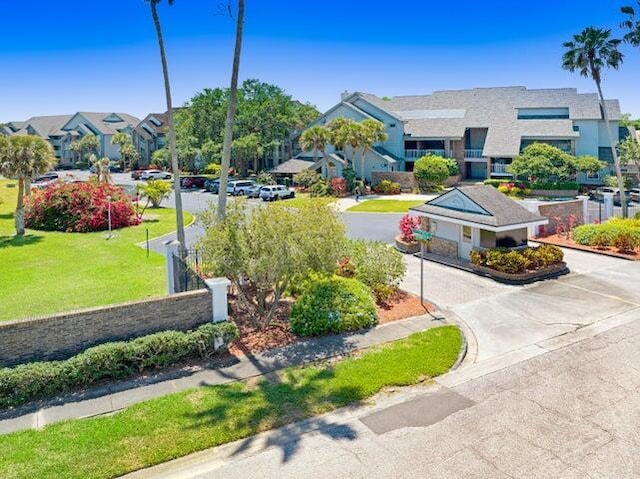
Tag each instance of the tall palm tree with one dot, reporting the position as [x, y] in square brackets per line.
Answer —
[589, 53]
[373, 133]
[339, 130]
[632, 24]
[170, 123]
[231, 114]
[22, 158]
[315, 139]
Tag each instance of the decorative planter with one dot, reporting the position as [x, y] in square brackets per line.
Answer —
[529, 277]
[407, 248]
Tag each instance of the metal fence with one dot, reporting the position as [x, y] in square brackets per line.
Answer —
[187, 267]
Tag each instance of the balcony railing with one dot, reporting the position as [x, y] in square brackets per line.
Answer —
[415, 154]
[473, 153]
[500, 169]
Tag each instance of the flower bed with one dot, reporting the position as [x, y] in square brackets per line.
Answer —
[79, 207]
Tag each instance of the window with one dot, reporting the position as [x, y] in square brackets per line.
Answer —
[466, 234]
[593, 176]
[543, 113]
[392, 125]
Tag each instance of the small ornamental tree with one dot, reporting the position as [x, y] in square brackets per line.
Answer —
[430, 172]
[154, 191]
[263, 250]
[630, 154]
[407, 224]
[306, 178]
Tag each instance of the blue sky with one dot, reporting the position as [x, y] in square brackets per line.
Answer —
[67, 56]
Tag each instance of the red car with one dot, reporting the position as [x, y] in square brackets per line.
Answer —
[194, 181]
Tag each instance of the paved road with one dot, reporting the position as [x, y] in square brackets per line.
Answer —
[569, 413]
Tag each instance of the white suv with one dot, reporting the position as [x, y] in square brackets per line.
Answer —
[240, 187]
[276, 192]
[155, 175]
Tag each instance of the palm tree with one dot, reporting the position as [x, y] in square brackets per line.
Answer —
[315, 139]
[590, 52]
[355, 137]
[338, 130]
[632, 24]
[22, 158]
[170, 123]
[231, 113]
[373, 133]
[76, 148]
[125, 144]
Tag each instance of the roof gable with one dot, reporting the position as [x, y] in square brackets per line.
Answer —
[458, 201]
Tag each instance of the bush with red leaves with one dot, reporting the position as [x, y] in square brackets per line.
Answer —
[79, 207]
[408, 223]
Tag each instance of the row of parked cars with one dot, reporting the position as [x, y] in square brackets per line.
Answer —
[598, 194]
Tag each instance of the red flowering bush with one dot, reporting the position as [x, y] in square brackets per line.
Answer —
[338, 186]
[79, 207]
[407, 224]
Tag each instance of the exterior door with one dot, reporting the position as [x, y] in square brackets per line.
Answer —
[466, 241]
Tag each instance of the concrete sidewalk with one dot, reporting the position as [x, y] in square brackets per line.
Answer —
[110, 399]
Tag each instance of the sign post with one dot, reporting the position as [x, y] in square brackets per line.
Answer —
[422, 237]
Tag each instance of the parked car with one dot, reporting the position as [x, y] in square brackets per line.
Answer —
[213, 186]
[50, 175]
[276, 192]
[634, 194]
[193, 181]
[598, 194]
[155, 175]
[115, 167]
[240, 187]
[254, 191]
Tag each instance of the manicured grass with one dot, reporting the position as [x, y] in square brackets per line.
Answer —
[304, 198]
[173, 426]
[385, 206]
[49, 272]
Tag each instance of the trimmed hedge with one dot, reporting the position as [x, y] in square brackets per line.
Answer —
[622, 233]
[518, 261]
[333, 305]
[558, 185]
[116, 360]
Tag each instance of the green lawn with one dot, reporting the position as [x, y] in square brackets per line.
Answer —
[49, 272]
[173, 426]
[385, 206]
[304, 198]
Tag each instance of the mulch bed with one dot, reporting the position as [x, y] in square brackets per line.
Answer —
[253, 341]
[569, 243]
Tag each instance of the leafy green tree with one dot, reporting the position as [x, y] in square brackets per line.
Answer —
[589, 53]
[373, 132]
[161, 158]
[170, 121]
[306, 178]
[315, 139]
[631, 25]
[231, 112]
[263, 250]
[212, 151]
[585, 164]
[541, 161]
[154, 191]
[22, 158]
[430, 172]
[244, 150]
[630, 154]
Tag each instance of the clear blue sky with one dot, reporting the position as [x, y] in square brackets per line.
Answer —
[70, 55]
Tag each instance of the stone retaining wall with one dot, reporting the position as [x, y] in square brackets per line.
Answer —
[443, 247]
[63, 335]
[404, 178]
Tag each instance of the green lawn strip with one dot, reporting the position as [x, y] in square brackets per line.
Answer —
[49, 272]
[179, 424]
[385, 206]
[304, 198]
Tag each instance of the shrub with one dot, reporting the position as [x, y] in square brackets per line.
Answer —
[387, 187]
[430, 172]
[626, 242]
[350, 176]
[494, 183]
[604, 234]
[518, 261]
[333, 305]
[306, 178]
[452, 165]
[155, 191]
[116, 360]
[265, 178]
[383, 293]
[407, 224]
[79, 207]
[558, 185]
[212, 169]
[338, 186]
[375, 263]
[320, 188]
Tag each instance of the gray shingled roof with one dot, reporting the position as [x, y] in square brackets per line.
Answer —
[292, 166]
[446, 114]
[110, 128]
[44, 125]
[500, 209]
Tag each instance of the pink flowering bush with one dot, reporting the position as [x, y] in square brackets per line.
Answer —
[338, 186]
[79, 207]
[407, 224]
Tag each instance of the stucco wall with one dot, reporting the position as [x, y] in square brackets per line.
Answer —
[562, 210]
[406, 179]
[62, 335]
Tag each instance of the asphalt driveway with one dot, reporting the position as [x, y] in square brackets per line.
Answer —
[505, 318]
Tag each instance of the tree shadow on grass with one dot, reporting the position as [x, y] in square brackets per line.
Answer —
[6, 216]
[288, 401]
[15, 241]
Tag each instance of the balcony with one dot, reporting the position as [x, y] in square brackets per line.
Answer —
[416, 154]
[473, 153]
[500, 169]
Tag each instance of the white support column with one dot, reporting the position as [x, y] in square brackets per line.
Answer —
[171, 248]
[608, 206]
[220, 307]
[586, 218]
[533, 207]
